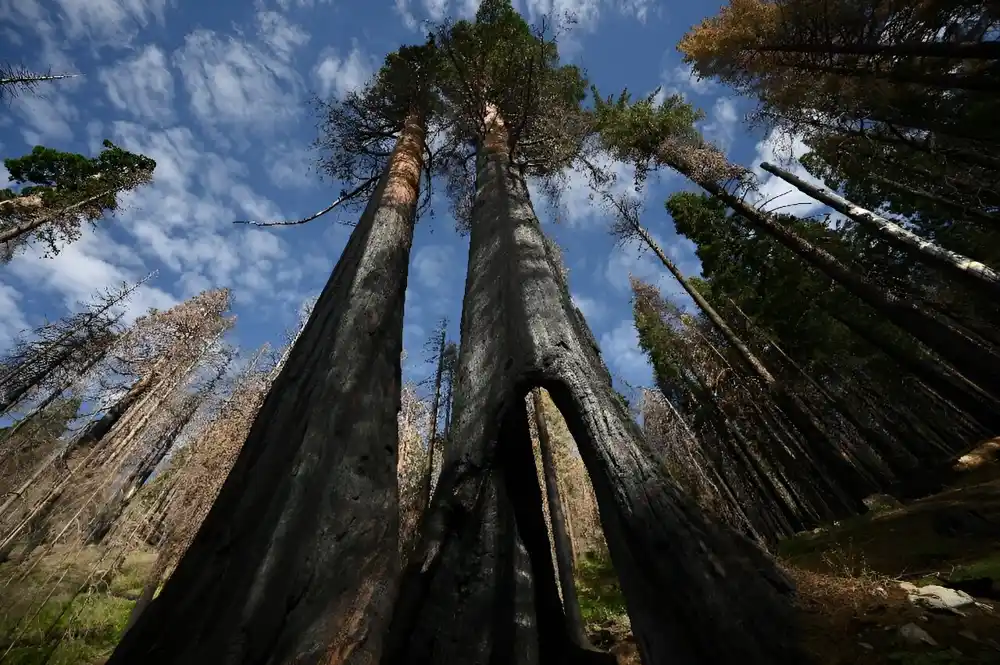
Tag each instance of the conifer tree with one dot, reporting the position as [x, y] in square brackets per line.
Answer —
[519, 113]
[61, 190]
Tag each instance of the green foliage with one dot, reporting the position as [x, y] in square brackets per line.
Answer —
[71, 629]
[634, 131]
[599, 592]
[499, 61]
[794, 303]
[62, 178]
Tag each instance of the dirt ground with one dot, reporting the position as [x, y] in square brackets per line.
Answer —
[853, 610]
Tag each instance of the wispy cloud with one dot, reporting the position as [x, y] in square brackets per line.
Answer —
[142, 86]
[339, 76]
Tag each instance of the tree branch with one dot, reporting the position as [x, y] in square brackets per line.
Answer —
[344, 198]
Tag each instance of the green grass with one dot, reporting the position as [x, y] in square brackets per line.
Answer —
[986, 567]
[601, 601]
[81, 633]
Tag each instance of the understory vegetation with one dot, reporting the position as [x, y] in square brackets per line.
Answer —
[813, 475]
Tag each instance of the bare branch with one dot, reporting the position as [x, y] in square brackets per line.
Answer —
[344, 197]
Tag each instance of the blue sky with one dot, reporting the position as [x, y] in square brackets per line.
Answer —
[217, 93]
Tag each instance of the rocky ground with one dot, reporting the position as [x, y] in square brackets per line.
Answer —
[866, 586]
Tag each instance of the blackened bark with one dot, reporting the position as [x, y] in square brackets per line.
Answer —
[297, 561]
[560, 532]
[696, 592]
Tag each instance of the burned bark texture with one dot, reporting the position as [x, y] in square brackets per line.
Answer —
[696, 592]
[297, 561]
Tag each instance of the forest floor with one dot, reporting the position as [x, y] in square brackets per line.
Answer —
[62, 613]
[852, 607]
[848, 577]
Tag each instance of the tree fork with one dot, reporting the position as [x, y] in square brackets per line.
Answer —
[519, 330]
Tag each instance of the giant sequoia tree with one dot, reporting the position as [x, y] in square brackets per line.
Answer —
[482, 588]
[297, 559]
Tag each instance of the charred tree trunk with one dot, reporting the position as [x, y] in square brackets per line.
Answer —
[728, 602]
[560, 532]
[297, 560]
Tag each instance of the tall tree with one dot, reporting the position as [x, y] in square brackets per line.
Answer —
[318, 470]
[520, 330]
[61, 190]
[647, 134]
[437, 343]
[58, 352]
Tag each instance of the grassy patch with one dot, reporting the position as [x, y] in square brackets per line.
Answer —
[601, 601]
[924, 538]
[67, 628]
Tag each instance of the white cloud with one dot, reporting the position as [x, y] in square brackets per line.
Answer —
[436, 9]
[403, 9]
[593, 309]
[282, 36]
[141, 85]
[47, 117]
[721, 128]
[231, 81]
[578, 205]
[184, 219]
[92, 263]
[681, 80]
[620, 348]
[340, 76]
[784, 151]
[12, 321]
[433, 265]
[109, 21]
[289, 166]
[583, 12]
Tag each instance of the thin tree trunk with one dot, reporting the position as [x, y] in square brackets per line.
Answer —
[17, 230]
[827, 448]
[962, 50]
[923, 250]
[979, 364]
[431, 441]
[728, 602]
[968, 395]
[560, 532]
[297, 560]
[961, 209]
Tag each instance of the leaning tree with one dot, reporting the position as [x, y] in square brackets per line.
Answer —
[297, 559]
[482, 585]
[61, 190]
